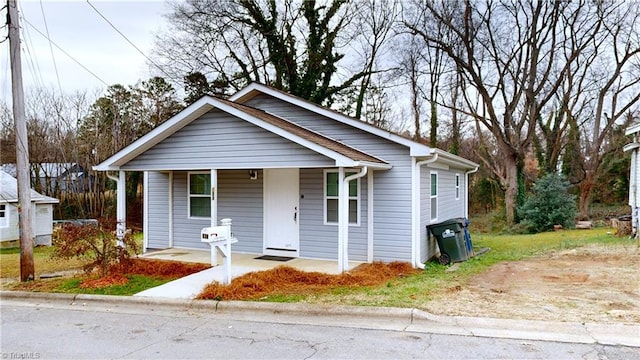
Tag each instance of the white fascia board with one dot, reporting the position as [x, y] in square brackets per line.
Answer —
[339, 158]
[630, 147]
[416, 149]
[454, 160]
[156, 135]
[633, 129]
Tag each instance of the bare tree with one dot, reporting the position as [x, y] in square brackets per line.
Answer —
[293, 45]
[512, 60]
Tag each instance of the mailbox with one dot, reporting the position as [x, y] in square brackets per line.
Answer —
[215, 234]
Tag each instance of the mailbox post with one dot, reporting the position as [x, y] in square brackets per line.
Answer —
[220, 239]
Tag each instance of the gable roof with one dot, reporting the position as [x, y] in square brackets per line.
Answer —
[343, 155]
[9, 191]
[253, 89]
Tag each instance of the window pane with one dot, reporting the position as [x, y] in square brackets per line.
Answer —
[353, 187]
[200, 184]
[434, 184]
[332, 184]
[201, 206]
[434, 208]
[332, 210]
[353, 211]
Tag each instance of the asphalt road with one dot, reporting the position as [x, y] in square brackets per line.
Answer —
[82, 331]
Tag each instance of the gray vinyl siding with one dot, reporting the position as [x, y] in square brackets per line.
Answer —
[318, 240]
[158, 210]
[239, 199]
[392, 188]
[186, 232]
[219, 140]
[448, 206]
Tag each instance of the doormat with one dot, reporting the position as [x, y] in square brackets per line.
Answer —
[273, 258]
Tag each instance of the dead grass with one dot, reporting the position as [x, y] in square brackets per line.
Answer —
[285, 280]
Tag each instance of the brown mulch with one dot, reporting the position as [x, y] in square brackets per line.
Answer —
[154, 268]
[287, 280]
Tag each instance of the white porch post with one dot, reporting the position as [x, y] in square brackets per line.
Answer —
[370, 217]
[214, 197]
[121, 208]
[343, 222]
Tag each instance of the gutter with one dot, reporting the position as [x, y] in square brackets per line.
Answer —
[415, 249]
[343, 222]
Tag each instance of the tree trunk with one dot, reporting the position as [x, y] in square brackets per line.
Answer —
[584, 200]
[510, 184]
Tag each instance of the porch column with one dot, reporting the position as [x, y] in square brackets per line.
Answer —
[121, 208]
[343, 222]
[214, 197]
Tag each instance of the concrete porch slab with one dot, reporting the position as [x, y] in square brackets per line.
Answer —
[190, 286]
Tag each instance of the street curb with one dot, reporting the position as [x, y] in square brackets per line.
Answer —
[389, 318]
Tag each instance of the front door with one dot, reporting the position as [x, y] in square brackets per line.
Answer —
[281, 212]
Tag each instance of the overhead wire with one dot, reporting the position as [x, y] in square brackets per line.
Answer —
[129, 41]
[53, 58]
[36, 72]
[66, 53]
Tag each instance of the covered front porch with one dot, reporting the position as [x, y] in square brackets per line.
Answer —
[190, 286]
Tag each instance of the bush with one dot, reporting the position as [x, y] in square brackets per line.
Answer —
[549, 205]
[97, 245]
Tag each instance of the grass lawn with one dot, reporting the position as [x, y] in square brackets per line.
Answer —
[412, 291]
[406, 291]
[10, 262]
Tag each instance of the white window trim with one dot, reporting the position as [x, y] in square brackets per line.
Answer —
[189, 195]
[325, 197]
[457, 186]
[431, 197]
[4, 220]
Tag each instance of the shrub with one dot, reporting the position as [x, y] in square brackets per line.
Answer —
[549, 205]
[97, 245]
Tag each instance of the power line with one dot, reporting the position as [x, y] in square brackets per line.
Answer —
[66, 53]
[55, 66]
[129, 41]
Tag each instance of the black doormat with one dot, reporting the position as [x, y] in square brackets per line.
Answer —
[273, 258]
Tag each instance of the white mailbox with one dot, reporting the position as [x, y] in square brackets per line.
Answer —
[220, 239]
[215, 233]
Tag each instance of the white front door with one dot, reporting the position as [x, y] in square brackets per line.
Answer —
[281, 212]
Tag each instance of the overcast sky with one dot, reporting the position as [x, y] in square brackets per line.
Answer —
[75, 27]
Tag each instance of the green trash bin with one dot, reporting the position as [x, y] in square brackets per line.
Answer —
[451, 240]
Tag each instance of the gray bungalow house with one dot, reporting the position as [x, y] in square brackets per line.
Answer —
[297, 179]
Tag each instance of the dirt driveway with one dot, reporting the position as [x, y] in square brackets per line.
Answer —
[590, 284]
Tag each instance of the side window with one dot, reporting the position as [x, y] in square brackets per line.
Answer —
[331, 198]
[199, 194]
[457, 186]
[4, 216]
[434, 195]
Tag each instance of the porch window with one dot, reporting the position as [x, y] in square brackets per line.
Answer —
[331, 198]
[200, 195]
[4, 216]
[457, 186]
[434, 195]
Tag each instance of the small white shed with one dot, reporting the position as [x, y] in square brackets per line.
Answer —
[41, 212]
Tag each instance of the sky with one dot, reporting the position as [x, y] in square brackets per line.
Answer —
[76, 28]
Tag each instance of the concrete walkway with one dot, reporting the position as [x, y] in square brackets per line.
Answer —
[189, 287]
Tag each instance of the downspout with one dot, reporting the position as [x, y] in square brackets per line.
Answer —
[415, 201]
[466, 191]
[343, 222]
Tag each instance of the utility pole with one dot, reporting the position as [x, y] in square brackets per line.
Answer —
[27, 270]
